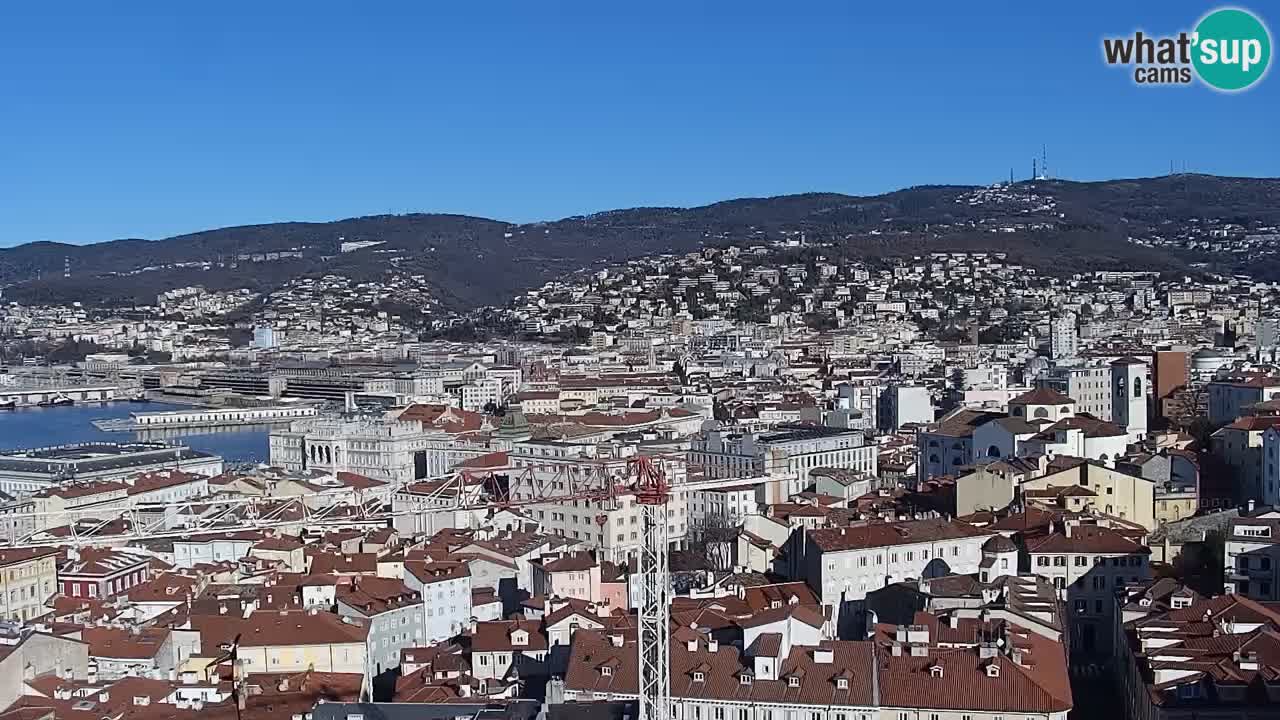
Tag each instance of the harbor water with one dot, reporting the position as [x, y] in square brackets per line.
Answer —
[38, 427]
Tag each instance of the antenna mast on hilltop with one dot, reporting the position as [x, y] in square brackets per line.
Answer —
[1044, 161]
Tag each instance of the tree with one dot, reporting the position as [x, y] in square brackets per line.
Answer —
[711, 539]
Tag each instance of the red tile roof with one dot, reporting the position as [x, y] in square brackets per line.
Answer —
[1042, 396]
[889, 534]
[1086, 539]
[723, 669]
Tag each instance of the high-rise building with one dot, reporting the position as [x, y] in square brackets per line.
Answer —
[1064, 338]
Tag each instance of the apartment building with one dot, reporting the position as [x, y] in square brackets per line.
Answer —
[445, 587]
[101, 572]
[843, 564]
[1088, 564]
[289, 641]
[790, 451]
[28, 578]
[1240, 445]
[1269, 483]
[508, 649]
[568, 575]
[1230, 398]
[1253, 555]
[940, 667]
[393, 613]
[611, 527]
[1075, 483]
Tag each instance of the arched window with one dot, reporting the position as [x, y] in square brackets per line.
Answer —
[1042, 412]
[1017, 410]
[1104, 457]
[993, 451]
[933, 458]
[1137, 387]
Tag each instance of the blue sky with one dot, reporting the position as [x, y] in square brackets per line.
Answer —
[149, 119]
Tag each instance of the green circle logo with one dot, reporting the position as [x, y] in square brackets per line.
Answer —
[1232, 49]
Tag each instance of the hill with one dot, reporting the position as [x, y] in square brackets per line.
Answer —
[470, 261]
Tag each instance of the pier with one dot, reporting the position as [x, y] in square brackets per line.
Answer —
[206, 418]
[32, 396]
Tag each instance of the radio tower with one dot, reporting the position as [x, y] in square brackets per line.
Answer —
[653, 634]
[1044, 161]
[66, 266]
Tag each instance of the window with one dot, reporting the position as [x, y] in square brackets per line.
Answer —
[1042, 560]
[699, 677]
[793, 681]
[842, 683]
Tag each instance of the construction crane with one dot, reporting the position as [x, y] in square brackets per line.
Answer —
[653, 638]
[330, 509]
[646, 480]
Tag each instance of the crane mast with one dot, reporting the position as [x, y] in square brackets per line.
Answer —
[653, 624]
